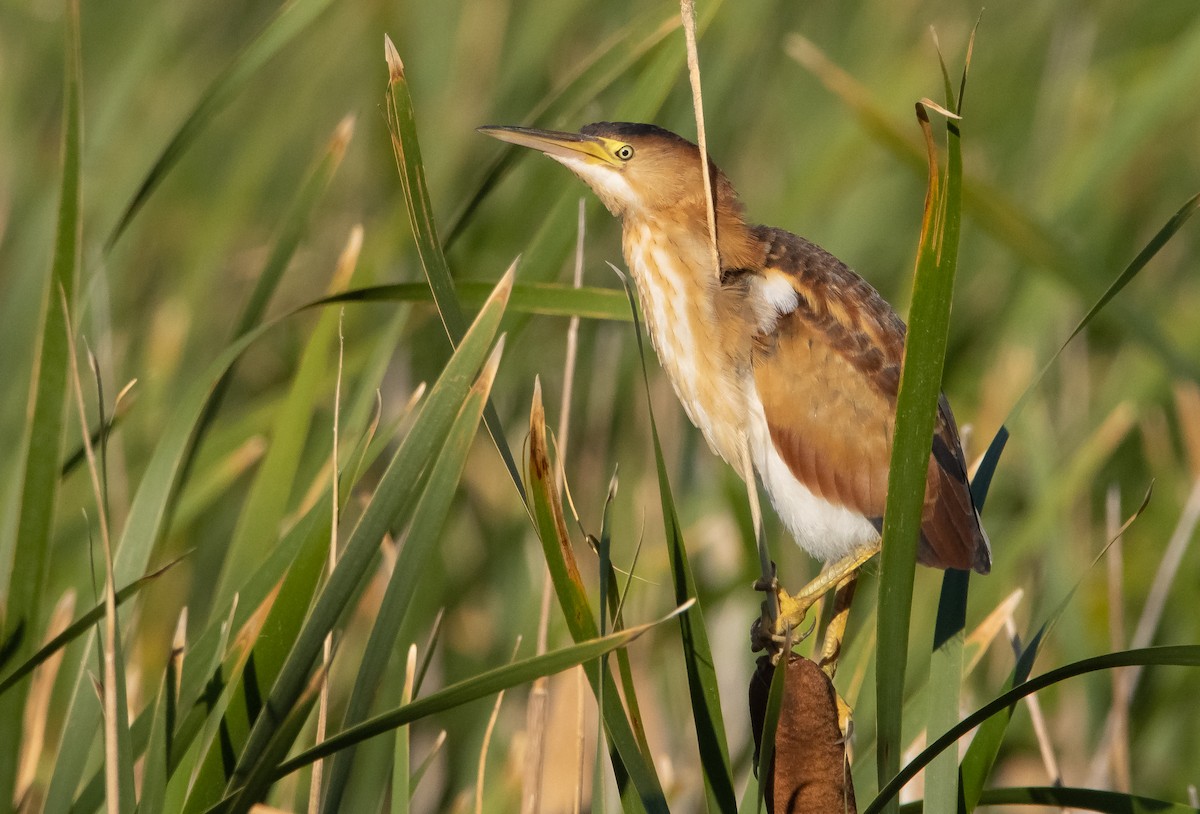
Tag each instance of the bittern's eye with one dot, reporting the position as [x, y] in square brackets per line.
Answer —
[624, 152]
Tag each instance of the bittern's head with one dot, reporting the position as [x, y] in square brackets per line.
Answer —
[635, 169]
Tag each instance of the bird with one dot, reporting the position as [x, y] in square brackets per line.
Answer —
[782, 356]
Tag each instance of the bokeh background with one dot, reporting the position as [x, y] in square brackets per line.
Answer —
[1080, 137]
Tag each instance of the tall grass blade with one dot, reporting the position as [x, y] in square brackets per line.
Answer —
[291, 19]
[916, 406]
[976, 764]
[154, 770]
[143, 528]
[269, 640]
[118, 763]
[402, 780]
[943, 688]
[221, 729]
[946, 661]
[546, 507]
[299, 554]
[392, 499]
[422, 538]
[697, 652]
[1110, 802]
[260, 779]
[1160, 239]
[403, 128]
[616, 602]
[462, 692]
[991, 458]
[23, 577]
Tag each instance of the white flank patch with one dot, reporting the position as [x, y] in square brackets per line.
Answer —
[825, 531]
[780, 298]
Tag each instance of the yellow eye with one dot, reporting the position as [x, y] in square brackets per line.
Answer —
[624, 152]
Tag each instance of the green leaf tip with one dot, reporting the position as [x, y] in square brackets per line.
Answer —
[394, 63]
[488, 374]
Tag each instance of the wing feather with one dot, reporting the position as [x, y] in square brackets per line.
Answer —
[827, 372]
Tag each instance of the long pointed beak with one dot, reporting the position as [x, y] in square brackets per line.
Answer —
[552, 142]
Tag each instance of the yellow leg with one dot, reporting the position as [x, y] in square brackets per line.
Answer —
[769, 634]
[793, 608]
[831, 648]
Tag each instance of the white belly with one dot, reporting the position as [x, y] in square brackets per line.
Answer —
[826, 531]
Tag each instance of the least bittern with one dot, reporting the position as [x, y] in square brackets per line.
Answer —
[782, 356]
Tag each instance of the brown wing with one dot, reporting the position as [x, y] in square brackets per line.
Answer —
[828, 374]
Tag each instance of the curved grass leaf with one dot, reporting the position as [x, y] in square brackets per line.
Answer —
[269, 638]
[292, 18]
[985, 746]
[991, 458]
[1111, 802]
[545, 299]
[80, 626]
[143, 527]
[456, 695]
[155, 768]
[260, 779]
[1169, 655]
[943, 687]
[1160, 239]
[301, 549]
[616, 601]
[463, 692]
[976, 766]
[223, 711]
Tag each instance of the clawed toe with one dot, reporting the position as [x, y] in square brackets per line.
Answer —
[773, 634]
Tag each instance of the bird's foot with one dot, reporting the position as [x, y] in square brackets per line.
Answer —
[780, 620]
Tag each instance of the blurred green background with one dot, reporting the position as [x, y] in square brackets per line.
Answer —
[1080, 137]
